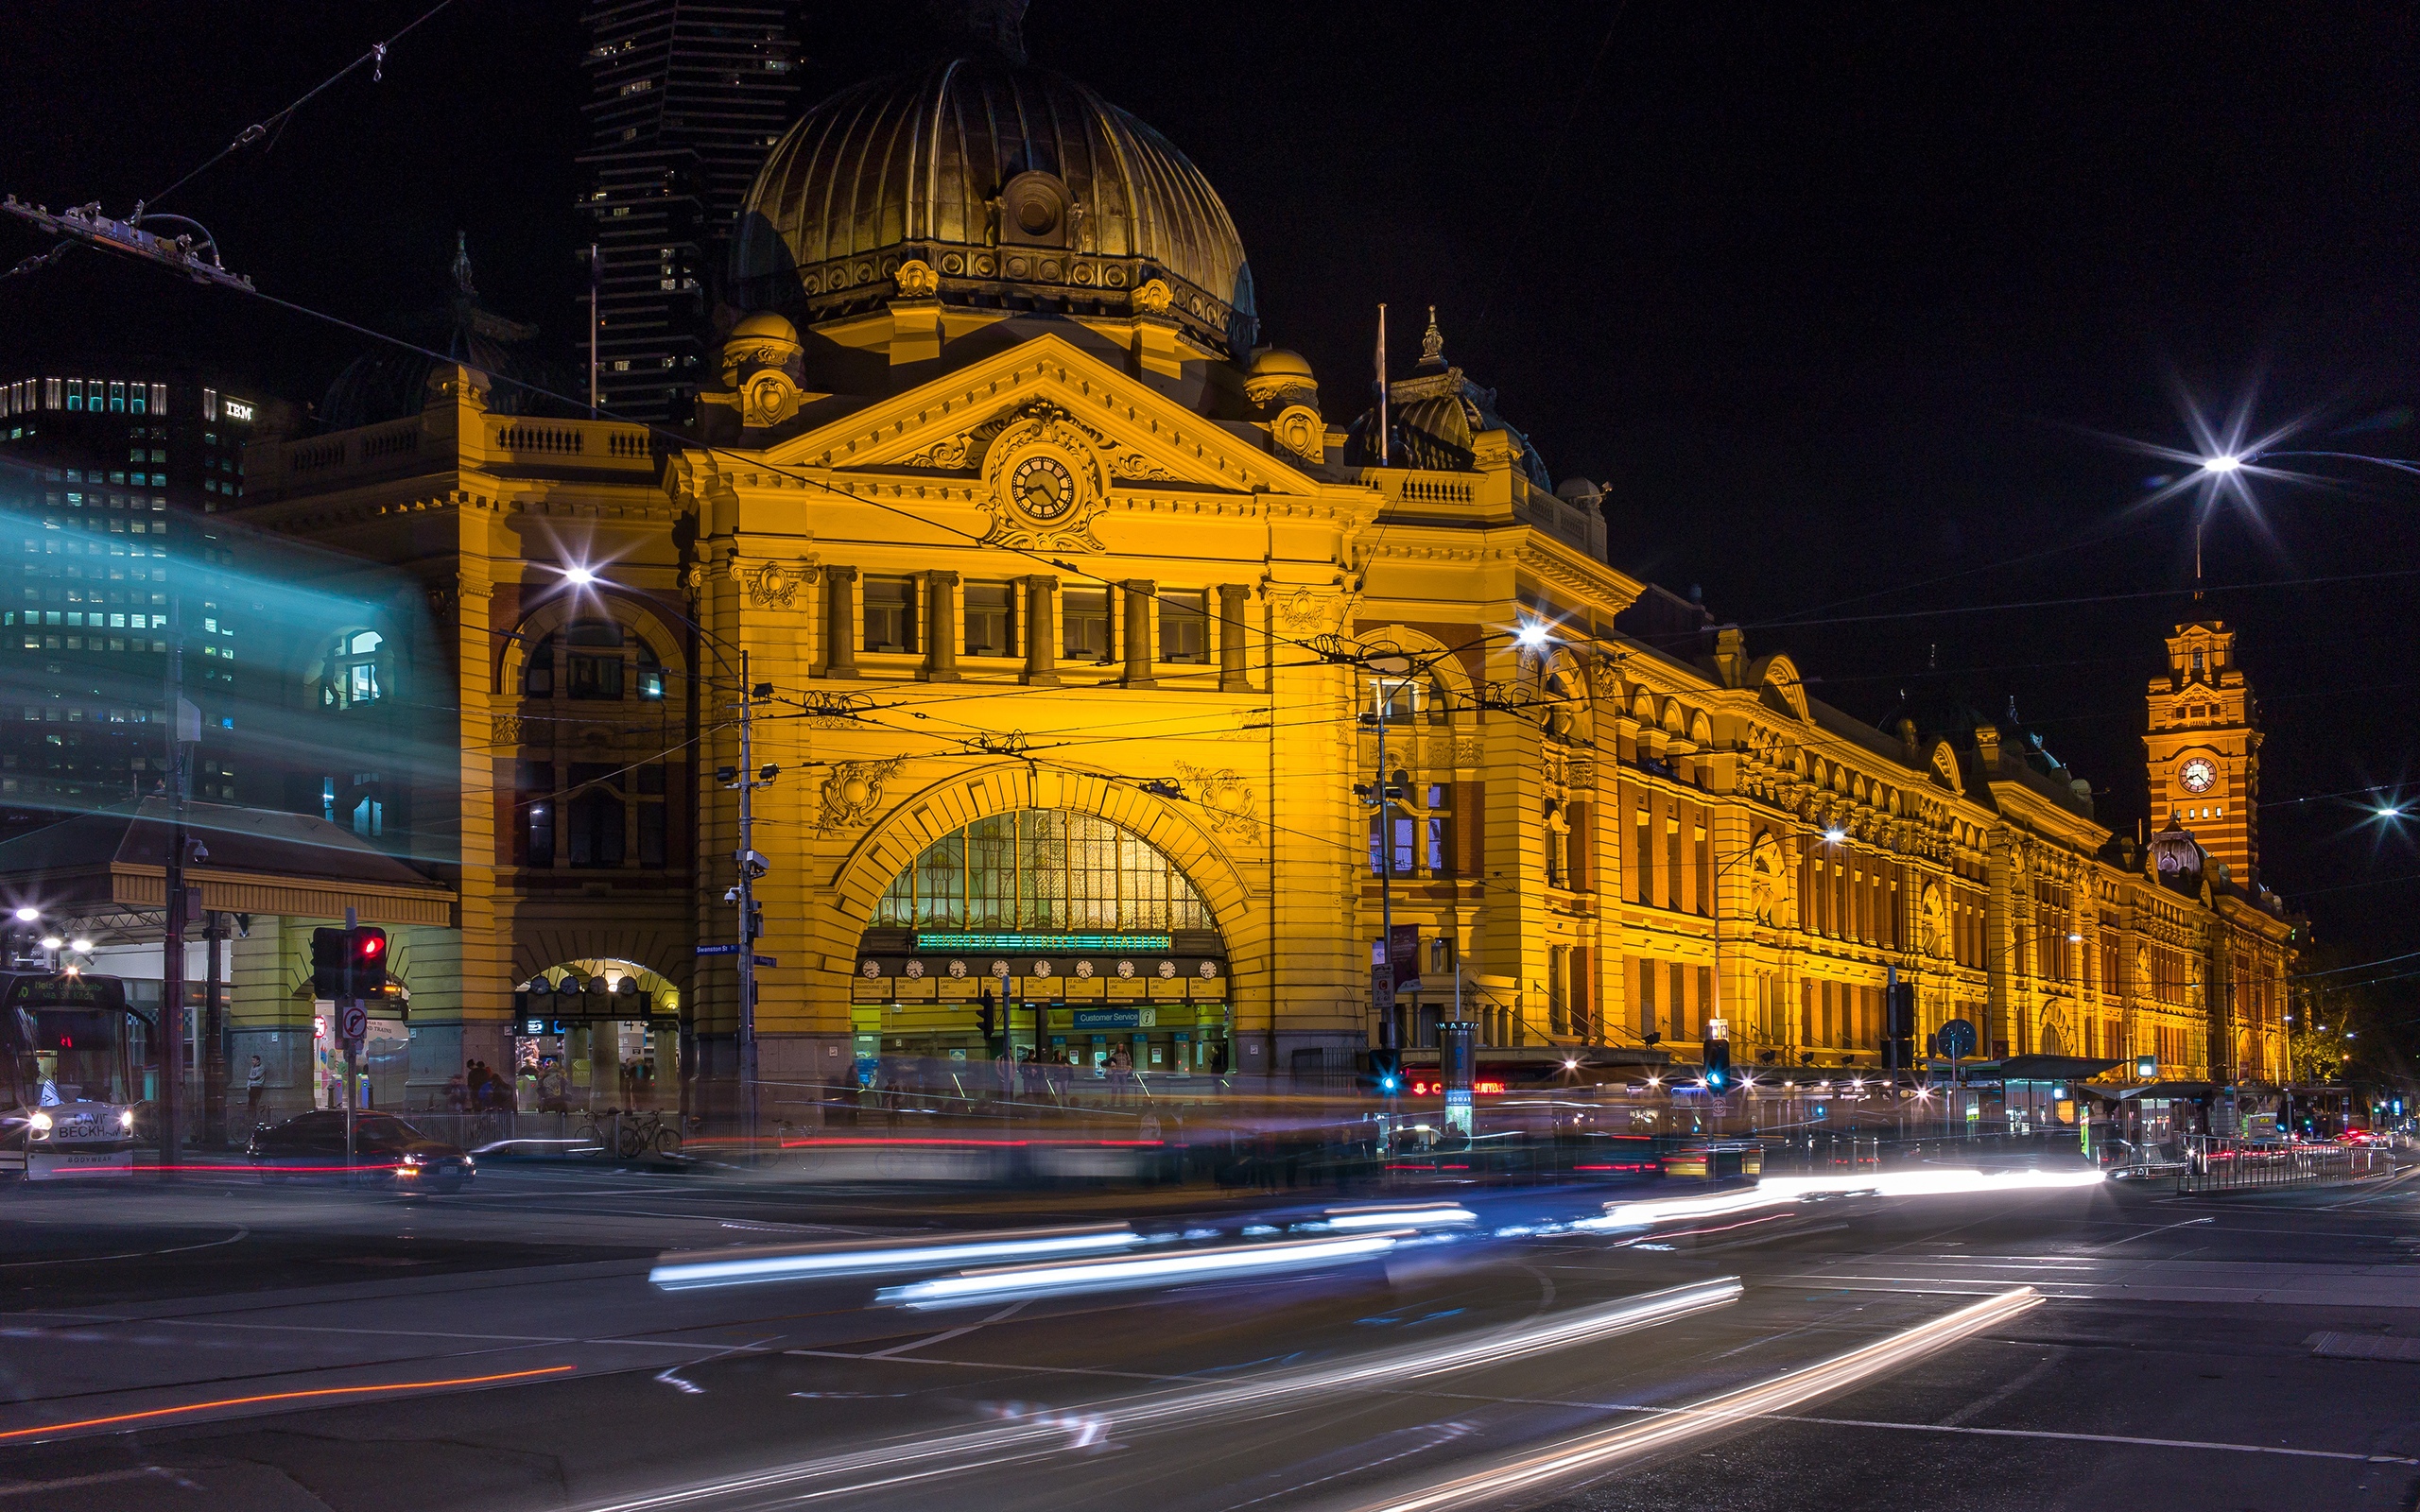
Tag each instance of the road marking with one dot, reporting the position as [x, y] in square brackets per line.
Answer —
[131, 1254]
[1009, 1312]
[2148, 1232]
[280, 1396]
[2103, 1438]
[1594, 1454]
[103, 1478]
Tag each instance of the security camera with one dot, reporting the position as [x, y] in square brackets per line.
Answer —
[753, 864]
[199, 852]
[731, 895]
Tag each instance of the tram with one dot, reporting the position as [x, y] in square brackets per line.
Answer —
[67, 1102]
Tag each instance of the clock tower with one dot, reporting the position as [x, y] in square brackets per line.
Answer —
[2202, 748]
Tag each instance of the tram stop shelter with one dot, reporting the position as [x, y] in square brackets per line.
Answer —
[264, 880]
[2036, 1091]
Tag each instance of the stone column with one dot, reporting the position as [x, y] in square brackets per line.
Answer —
[940, 627]
[840, 622]
[1042, 631]
[1137, 639]
[1233, 673]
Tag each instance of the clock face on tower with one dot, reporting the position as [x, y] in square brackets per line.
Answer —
[2197, 775]
[1043, 487]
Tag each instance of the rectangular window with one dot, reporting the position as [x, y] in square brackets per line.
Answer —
[1680, 1000]
[1184, 628]
[159, 398]
[891, 614]
[537, 783]
[593, 675]
[651, 834]
[1395, 700]
[75, 393]
[1643, 857]
[1084, 619]
[1647, 1021]
[991, 619]
[117, 399]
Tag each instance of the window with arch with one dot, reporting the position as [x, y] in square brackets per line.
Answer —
[1042, 869]
[355, 674]
[594, 659]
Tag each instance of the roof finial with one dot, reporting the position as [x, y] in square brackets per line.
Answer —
[1432, 343]
[988, 26]
[462, 265]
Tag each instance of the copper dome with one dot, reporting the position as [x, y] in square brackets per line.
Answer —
[1018, 186]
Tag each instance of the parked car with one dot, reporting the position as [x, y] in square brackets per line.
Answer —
[384, 1149]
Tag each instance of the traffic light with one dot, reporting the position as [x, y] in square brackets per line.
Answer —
[1718, 1065]
[1899, 1027]
[987, 1014]
[365, 953]
[327, 963]
[1385, 1075]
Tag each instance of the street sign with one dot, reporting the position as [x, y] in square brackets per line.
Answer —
[1403, 949]
[762, 960]
[1956, 1039]
[1382, 989]
[718, 950]
[357, 1021]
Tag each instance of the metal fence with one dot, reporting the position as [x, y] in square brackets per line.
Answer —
[2213, 1163]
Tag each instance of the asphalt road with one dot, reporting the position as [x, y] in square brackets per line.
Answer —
[229, 1345]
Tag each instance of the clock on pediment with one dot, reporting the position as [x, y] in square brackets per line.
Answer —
[1045, 482]
[2198, 775]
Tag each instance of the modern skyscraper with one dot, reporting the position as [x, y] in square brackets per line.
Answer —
[109, 488]
[687, 95]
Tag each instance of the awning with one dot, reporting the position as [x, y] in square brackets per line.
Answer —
[2035, 1068]
[259, 861]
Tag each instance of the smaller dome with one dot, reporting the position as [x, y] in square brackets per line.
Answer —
[1279, 363]
[1578, 490]
[765, 325]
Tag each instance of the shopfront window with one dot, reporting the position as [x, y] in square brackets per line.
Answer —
[1043, 870]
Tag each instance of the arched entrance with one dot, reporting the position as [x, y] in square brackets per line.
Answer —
[595, 1033]
[1080, 935]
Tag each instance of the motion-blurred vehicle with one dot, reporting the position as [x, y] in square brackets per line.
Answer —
[384, 1150]
[66, 1096]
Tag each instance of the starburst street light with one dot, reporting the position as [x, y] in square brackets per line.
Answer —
[2221, 464]
[578, 575]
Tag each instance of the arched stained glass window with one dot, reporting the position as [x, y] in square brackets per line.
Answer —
[1042, 869]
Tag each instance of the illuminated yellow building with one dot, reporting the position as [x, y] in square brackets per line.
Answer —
[1083, 627]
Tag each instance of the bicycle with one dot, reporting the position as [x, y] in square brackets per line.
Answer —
[645, 1133]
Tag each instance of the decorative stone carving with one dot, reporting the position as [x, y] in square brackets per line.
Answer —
[1933, 921]
[1226, 798]
[1768, 884]
[1298, 429]
[1466, 751]
[1302, 612]
[916, 280]
[1154, 296]
[772, 584]
[769, 398]
[852, 792]
[504, 730]
[1129, 463]
[947, 456]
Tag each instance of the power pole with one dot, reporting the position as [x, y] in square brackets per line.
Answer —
[184, 729]
[747, 860]
[352, 1048]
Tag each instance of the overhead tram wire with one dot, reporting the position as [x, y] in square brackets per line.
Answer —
[2085, 598]
[375, 57]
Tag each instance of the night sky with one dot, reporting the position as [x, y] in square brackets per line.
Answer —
[1841, 302]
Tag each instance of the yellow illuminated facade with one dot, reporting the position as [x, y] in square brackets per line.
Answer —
[1083, 623]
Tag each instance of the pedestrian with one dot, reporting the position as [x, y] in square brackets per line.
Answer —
[457, 1093]
[255, 1083]
[554, 1092]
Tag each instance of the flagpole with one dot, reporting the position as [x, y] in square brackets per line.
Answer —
[1383, 427]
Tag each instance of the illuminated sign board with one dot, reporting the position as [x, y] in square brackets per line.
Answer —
[1044, 944]
[1430, 1089]
[235, 408]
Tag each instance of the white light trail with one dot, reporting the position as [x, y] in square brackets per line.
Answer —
[1593, 1453]
[889, 1465]
[1928, 1181]
[1177, 1267]
[790, 1262]
[1428, 1216]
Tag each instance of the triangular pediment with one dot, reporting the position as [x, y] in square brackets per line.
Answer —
[945, 427]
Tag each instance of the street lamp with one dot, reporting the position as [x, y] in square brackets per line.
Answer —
[2221, 465]
[751, 864]
[28, 915]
